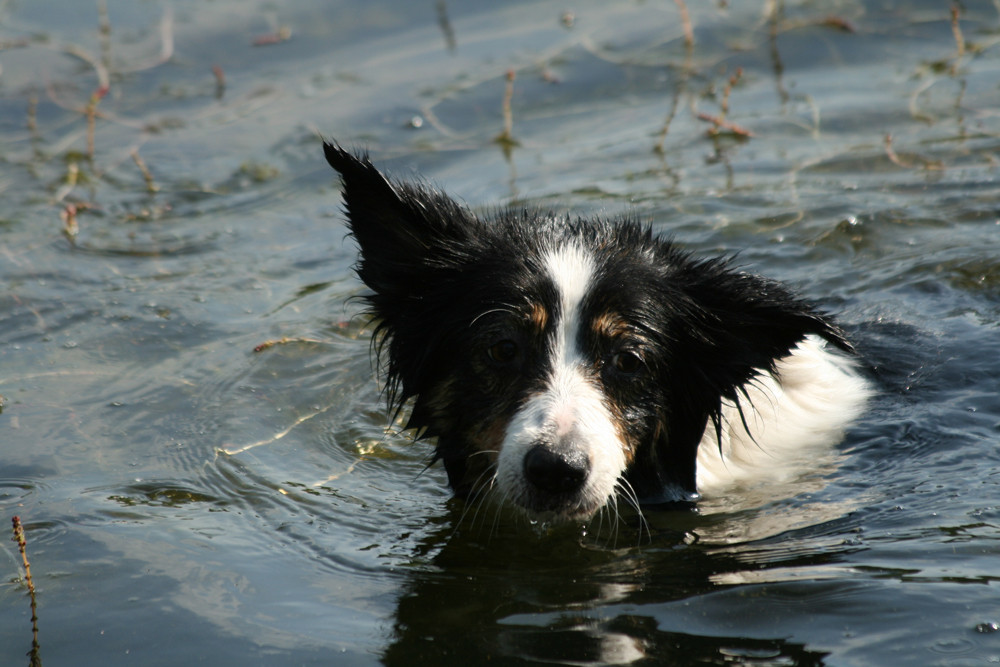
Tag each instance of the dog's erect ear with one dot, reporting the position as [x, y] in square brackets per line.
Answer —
[415, 251]
[397, 225]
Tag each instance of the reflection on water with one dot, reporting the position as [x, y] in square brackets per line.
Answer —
[550, 600]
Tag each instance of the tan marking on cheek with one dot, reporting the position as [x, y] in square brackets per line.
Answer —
[625, 440]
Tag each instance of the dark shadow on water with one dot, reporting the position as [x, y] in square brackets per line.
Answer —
[514, 596]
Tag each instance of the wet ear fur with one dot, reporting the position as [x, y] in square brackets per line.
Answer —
[397, 225]
[414, 250]
[753, 321]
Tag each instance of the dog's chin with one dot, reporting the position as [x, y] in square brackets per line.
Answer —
[558, 508]
[581, 507]
[558, 515]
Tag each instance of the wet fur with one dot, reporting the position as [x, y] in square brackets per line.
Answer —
[560, 363]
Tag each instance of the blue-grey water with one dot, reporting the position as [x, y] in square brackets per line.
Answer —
[191, 433]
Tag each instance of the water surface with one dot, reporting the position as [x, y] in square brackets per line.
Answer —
[191, 431]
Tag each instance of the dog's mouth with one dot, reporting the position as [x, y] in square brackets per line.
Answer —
[569, 507]
[577, 506]
[560, 507]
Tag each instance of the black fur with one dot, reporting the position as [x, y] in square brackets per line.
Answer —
[447, 285]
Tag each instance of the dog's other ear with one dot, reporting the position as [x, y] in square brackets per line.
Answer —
[397, 225]
[748, 322]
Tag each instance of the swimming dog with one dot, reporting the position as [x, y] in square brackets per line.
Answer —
[564, 363]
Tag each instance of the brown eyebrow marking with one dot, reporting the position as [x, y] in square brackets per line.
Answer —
[609, 324]
[539, 316]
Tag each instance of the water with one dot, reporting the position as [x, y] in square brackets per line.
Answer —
[188, 499]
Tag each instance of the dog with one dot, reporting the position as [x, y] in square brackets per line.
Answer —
[562, 364]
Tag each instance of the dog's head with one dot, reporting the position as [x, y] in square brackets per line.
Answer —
[558, 362]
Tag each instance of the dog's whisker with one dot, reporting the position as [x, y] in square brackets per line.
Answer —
[626, 491]
[478, 496]
[508, 309]
[606, 511]
[480, 452]
[497, 510]
[483, 498]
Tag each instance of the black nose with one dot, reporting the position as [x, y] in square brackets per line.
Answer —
[556, 471]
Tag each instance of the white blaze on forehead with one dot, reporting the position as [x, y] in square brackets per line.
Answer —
[571, 269]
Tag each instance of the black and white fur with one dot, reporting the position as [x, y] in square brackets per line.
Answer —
[564, 363]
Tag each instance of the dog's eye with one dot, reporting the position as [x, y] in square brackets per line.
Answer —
[627, 363]
[503, 352]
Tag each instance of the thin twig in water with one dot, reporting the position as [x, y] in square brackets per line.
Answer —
[661, 137]
[682, 83]
[894, 157]
[507, 136]
[104, 30]
[151, 185]
[956, 30]
[67, 214]
[91, 112]
[103, 86]
[167, 35]
[733, 80]
[220, 81]
[686, 23]
[70, 226]
[33, 114]
[103, 78]
[441, 7]
[428, 114]
[72, 175]
[166, 46]
[285, 340]
[22, 545]
[508, 114]
[719, 122]
[891, 153]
